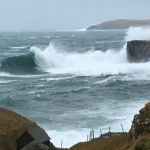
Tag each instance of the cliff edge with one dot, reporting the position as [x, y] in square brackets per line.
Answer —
[119, 24]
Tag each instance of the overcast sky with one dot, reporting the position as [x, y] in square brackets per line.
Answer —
[67, 14]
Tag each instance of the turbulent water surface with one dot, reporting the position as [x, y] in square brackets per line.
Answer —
[73, 81]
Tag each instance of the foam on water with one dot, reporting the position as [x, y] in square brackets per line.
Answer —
[3, 74]
[32, 37]
[58, 78]
[138, 33]
[19, 47]
[84, 29]
[6, 81]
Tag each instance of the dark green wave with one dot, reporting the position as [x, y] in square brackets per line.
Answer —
[23, 64]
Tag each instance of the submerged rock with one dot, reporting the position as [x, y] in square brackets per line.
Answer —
[138, 51]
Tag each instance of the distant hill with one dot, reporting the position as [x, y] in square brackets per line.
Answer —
[119, 24]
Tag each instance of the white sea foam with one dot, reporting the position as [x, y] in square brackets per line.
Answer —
[32, 37]
[138, 33]
[32, 92]
[78, 89]
[84, 29]
[19, 47]
[58, 78]
[2, 74]
[39, 85]
[6, 81]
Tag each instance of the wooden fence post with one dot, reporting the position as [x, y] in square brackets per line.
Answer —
[90, 135]
[122, 128]
[61, 143]
[133, 130]
[93, 134]
[87, 138]
[109, 132]
[101, 133]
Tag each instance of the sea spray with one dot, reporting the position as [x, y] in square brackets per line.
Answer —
[56, 61]
[138, 33]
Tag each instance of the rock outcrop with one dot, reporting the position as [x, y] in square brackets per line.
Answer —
[119, 24]
[138, 51]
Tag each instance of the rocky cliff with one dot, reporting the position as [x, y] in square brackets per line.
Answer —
[138, 51]
[119, 24]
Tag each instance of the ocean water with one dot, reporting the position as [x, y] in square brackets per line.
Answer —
[70, 82]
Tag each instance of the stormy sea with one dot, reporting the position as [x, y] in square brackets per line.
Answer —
[70, 82]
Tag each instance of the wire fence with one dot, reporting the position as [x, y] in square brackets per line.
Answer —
[109, 134]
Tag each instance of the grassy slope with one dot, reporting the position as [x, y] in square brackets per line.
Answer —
[104, 144]
[12, 125]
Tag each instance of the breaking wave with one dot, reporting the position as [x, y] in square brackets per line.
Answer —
[23, 64]
[57, 61]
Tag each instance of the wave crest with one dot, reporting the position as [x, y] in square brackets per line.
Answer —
[23, 64]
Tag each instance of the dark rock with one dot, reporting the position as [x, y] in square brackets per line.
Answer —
[138, 51]
[34, 145]
[141, 122]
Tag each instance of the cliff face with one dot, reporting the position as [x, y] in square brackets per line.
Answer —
[138, 51]
[119, 24]
[12, 125]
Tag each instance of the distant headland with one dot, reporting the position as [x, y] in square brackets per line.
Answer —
[119, 24]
